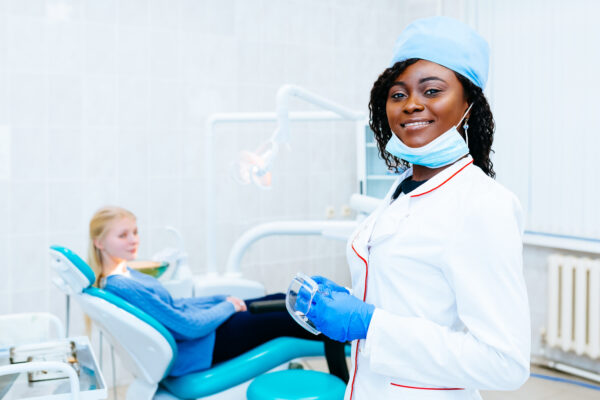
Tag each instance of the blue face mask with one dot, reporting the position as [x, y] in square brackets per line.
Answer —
[441, 151]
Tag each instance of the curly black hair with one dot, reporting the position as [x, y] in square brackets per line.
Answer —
[481, 120]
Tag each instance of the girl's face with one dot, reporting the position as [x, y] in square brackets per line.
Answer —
[425, 101]
[121, 241]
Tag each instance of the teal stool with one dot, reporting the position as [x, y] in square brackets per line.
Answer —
[296, 384]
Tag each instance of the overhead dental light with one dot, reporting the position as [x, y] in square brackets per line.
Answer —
[254, 167]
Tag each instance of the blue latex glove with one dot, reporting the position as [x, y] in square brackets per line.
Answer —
[340, 316]
[325, 283]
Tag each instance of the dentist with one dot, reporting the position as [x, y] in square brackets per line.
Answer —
[439, 307]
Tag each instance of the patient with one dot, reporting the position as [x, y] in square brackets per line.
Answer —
[208, 330]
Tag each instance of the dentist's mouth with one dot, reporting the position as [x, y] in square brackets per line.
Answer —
[416, 124]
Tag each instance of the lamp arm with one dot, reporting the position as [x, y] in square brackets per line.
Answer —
[286, 92]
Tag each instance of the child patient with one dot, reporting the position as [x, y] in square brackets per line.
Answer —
[208, 330]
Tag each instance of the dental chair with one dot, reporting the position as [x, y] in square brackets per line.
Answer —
[148, 349]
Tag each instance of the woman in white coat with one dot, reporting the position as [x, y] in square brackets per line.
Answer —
[438, 308]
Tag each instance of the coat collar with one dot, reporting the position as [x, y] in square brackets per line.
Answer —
[361, 238]
[441, 178]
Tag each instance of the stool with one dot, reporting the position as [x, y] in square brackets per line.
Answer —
[296, 384]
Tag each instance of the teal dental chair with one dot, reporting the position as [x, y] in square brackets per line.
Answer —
[148, 349]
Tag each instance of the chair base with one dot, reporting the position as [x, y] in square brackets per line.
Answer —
[141, 390]
[296, 384]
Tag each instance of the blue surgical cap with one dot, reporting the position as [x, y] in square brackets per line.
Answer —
[447, 42]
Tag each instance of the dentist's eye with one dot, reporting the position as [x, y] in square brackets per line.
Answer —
[432, 92]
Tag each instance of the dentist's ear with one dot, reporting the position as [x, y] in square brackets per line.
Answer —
[468, 112]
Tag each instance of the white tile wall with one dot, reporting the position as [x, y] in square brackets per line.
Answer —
[66, 45]
[165, 14]
[134, 12]
[100, 11]
[133, 53]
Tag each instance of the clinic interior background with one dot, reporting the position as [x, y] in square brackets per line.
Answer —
[104, 102]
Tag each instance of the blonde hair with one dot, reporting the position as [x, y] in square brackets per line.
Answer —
[99, 225]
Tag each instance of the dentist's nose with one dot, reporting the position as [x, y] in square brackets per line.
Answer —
[412, 105]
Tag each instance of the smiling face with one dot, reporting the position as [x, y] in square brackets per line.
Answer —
[121, 241]
[424, 101]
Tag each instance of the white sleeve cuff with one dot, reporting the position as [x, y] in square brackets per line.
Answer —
[366, 345]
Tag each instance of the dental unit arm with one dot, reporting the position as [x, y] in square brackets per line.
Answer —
[337, 230]
[232, 282]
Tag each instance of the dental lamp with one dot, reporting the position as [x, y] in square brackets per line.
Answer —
[255, 167]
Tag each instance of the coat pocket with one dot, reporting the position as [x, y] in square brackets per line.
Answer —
[397, 390]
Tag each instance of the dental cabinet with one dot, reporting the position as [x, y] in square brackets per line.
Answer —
[47, 384]
[374, 178]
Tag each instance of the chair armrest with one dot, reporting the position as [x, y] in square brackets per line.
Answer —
[264, 306]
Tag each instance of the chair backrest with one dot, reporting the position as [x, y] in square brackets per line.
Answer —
[145, 346]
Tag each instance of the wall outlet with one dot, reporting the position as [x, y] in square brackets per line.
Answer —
[346, 210]
[329, 212]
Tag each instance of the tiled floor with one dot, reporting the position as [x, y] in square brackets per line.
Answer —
[534, 388]
[543, 389]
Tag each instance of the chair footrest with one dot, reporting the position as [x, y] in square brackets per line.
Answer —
[242, 368]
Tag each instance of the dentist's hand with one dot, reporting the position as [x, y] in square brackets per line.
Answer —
[340, 316]
[329, 284]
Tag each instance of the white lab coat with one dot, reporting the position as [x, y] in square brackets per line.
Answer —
[443, 267]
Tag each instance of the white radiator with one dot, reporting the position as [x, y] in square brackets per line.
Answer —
[574, 305]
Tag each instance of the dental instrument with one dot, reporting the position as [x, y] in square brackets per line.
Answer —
[297, 304]
[320, 305]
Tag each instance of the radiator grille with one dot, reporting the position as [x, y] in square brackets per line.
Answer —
[574, 305]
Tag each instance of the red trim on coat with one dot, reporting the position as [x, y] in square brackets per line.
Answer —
[366, 267]
[423, 388]
[358, 341]
[452, 176]
[355, 368]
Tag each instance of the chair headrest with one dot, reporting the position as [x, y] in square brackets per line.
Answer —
[77, 277]
[75, 273]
